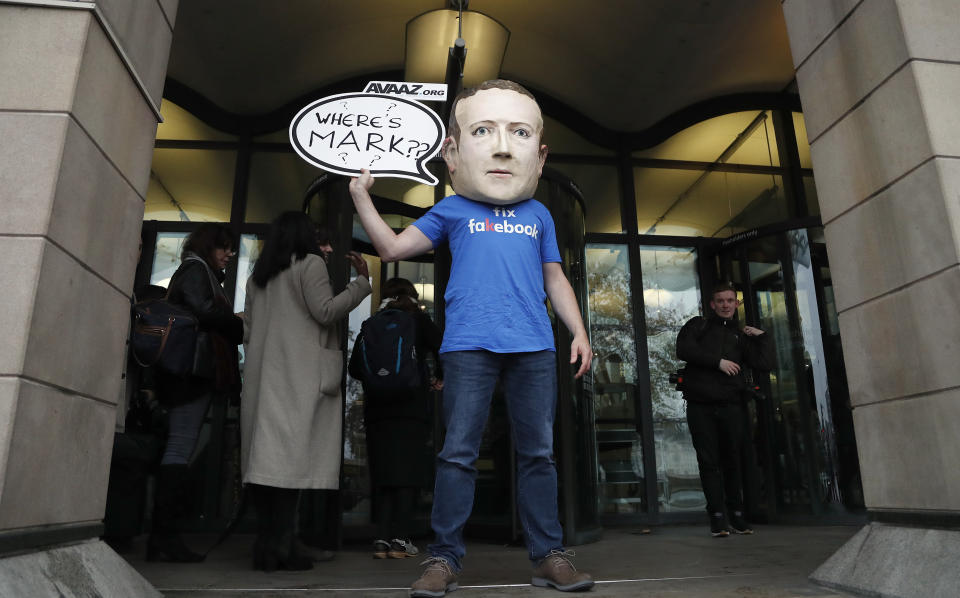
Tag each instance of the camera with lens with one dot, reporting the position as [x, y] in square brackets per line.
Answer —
[676, 378]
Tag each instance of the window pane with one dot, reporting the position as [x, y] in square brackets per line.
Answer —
[737, 138]
[250, 247]
[600, 186]
[619, 446]
[190, 185]
[278, 182]
[166, 257]
[671, 296]
[701, 203]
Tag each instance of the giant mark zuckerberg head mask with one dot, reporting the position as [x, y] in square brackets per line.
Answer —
[493, 152]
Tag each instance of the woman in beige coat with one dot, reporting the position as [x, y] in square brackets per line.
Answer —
[291, 408]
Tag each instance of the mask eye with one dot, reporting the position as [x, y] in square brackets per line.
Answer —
[480, 131]
[522, 133]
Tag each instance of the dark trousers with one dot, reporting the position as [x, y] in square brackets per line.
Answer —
[394, 511]
[717, 433]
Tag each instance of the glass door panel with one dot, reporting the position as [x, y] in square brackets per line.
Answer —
[790, 438]
[671, 296]
[819, 419]
[619, 446]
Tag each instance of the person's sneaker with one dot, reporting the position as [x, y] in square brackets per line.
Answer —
[401, 549]
[557, 571]
[380, 549]
[718, 526]
[437, 579]
[739, 525]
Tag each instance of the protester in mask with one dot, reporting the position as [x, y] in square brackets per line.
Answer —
[505, 265]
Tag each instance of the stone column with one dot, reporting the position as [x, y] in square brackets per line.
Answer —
[80, 89]
[880, 85]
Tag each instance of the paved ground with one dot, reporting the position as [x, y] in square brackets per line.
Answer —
[673, 561]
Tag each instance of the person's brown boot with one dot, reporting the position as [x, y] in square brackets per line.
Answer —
[557, 571]
[437, 579]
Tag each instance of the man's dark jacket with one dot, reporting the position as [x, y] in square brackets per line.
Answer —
[703, 342]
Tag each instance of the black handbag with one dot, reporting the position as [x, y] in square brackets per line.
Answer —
[164, 335]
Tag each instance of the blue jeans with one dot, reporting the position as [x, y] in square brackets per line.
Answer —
[530, 388]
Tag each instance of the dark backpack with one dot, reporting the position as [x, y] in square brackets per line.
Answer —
[387, 351]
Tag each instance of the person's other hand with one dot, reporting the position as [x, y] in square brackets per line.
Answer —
[360, 186]
[751, 331]
[239, 314]
[359, 264]
[436, 384]
[580, 347]
[729, 368]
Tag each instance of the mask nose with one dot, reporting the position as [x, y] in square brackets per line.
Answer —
[503, 144]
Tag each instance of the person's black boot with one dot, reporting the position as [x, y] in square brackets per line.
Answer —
[263, 506]
[170, 497]
[276, 550]
[285, 505]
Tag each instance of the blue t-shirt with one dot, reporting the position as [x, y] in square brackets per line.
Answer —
[495, 297]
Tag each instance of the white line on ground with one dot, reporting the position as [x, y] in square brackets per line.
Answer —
[387, 589]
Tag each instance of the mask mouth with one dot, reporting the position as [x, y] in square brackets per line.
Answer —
[500, 172]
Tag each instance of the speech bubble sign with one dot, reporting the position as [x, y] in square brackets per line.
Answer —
[387, 135]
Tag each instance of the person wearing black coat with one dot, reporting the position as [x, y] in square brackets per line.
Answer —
[197, 286]
[716, 351]
[398, 426]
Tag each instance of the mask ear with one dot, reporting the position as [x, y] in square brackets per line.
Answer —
[450, 154]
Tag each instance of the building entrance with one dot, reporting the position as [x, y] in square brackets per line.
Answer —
[802, 456]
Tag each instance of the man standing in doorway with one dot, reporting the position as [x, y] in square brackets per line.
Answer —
[714, 387]
[505, 264]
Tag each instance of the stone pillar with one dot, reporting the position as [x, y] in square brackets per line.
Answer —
[880, 85]
[80, 89]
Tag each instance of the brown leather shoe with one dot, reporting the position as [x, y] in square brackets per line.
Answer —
[557, 571]
[437, 579]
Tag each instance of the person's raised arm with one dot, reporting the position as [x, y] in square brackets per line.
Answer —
[564, 303]
[389, 245]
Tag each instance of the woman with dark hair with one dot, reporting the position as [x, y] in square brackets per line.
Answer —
[398, 426]
[291, 415]
[196, 285]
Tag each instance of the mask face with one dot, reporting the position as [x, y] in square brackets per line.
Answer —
[498, 158]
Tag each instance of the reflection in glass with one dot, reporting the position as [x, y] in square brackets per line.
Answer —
[247, 255]
[671, 296]
[699, 203]
[249, 252]
[820, 419]
[619, 446]
[190, 185]
[166, 257]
